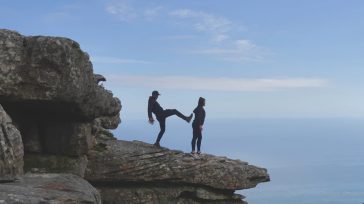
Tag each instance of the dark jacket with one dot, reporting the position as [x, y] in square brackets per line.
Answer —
[154, 107]
[199, 116]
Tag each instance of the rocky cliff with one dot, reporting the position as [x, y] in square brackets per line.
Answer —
[55, 122]
[136, 172]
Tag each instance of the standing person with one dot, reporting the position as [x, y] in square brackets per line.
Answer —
[197, 125]
[161, 115]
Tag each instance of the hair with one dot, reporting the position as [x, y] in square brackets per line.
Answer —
[201, 101]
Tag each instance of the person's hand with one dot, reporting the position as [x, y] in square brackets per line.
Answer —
[201, 127]
[151, 121]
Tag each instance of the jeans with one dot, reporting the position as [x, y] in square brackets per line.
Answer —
[197, 135]
[162, 120]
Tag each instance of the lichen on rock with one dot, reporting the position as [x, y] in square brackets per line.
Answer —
[11, 149]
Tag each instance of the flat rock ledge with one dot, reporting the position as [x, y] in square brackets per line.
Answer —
[124, 170]
[49, 189]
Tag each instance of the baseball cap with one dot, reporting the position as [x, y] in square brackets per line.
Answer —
[155, 93]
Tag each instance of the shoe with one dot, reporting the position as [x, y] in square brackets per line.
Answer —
[193, 152]
[157, 144]
[189, 118]
[198, 152]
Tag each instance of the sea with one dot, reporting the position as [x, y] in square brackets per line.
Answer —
[309, 160]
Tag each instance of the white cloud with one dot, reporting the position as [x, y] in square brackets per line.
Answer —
[122, 10]
[220, 44]
[150, 13]
[217, 84]
[205, 22]
[181, 37]
[113, 60]
[239, 51]
[220, 28]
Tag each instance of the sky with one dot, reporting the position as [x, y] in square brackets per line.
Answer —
[249, 59]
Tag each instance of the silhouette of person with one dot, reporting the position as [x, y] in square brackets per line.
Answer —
[161, 115]
[197, 125]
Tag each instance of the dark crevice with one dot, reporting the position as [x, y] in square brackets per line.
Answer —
[189, 195]
[159, 184]
[38, 110]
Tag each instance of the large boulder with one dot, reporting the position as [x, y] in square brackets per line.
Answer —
[50, 76]
[41, 163]
[124, 171]
[48, 87]
[11, 149]
[49, 189]
[126, 161]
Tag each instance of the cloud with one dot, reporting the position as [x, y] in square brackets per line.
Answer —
[220, 45]
[181, 37]
[151, 13]
[113, 60]
[220, 29]
[217, 84]
[205, 22]
[122, 10]
[126, 12]
[238, 51]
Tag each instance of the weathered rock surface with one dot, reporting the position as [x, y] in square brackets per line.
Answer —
[109, 122]
[49, 189]
[48, 87]
[50, 76]
[136, 172]
[147, 194]
[11, 149]
[141, 162]
[42, 163]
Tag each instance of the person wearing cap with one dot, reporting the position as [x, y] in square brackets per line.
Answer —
[161, 115]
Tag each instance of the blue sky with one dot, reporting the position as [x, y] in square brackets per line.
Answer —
[272, 59]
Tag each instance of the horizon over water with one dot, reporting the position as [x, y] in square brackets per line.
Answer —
[310, 161]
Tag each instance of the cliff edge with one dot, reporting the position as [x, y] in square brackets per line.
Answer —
[56, 147]
[137, 172]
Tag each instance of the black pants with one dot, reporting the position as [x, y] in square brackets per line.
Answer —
[162, 120]
[197, 135]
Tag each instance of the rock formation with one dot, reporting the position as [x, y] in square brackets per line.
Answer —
[49, 189]
[11, 149]
[55, 119]
[160, 174]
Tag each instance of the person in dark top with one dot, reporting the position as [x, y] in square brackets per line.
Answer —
[197, 125]
[161, 115]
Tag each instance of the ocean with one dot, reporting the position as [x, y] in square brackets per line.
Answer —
[310, 161]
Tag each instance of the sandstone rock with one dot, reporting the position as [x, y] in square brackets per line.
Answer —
[109, 122]
[52, 77]
[144, 194]
[11, 149]
[49, 189]
[41, 163]
[124, 161]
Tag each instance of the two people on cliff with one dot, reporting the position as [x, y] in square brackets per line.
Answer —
[162, 115]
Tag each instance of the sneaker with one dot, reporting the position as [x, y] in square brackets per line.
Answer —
[198, 152]
[157, 144]
[189, 118]
[193, 152]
